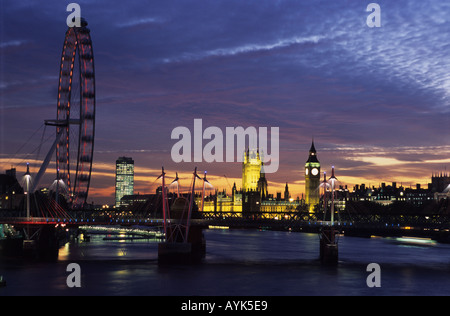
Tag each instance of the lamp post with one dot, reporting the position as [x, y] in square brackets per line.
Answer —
[332, 180]
[28, 182]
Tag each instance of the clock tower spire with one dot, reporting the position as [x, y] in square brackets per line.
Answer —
[312, 179]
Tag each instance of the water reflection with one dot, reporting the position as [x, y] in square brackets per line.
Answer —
[239, 262]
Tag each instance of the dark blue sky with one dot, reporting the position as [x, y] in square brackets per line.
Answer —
[376, 100]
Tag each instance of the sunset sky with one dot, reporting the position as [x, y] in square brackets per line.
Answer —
[375, 100]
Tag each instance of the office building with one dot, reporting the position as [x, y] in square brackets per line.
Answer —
[124, 178]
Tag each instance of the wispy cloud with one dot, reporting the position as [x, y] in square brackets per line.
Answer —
[247, 48]
[409, 50]
[13, 43]
[264, 47]
[140, 22]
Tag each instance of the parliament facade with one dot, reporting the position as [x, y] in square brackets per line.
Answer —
[252, 199]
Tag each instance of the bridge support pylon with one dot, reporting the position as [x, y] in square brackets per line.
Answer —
[190, 252]
[44, 244]
[329, 249]
[183, 244]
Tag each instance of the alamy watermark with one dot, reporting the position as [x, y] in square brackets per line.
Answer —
[74, 18]
[74, 278]
[228, 149]
[374, 278]
[374, 18]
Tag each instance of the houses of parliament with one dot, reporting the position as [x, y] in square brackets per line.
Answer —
[253, 197]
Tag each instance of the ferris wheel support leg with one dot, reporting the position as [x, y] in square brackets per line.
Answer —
[46, 162]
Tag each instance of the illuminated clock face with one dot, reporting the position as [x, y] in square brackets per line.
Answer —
[306, 171]
[315, 171]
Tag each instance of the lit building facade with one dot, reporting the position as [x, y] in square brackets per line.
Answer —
[124, 178]
[312, 179]
[253, 200]
[251, 171]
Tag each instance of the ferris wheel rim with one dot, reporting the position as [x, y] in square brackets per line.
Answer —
[77, 43]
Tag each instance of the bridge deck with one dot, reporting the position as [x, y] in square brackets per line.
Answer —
[362, 228]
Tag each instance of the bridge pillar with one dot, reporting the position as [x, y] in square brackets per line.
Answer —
[198, 242]
[178, 252]
[41, 242]
[44, 245]
[48, 244]
[183, 245]
[328, 246]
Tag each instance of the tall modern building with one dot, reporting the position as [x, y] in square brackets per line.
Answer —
[124, 178]
[312, 179]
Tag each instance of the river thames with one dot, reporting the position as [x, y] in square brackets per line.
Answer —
[239, 263]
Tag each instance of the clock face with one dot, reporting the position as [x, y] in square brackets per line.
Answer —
[306, 171]
[315, 171]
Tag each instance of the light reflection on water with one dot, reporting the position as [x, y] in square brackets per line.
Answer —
[239, 262]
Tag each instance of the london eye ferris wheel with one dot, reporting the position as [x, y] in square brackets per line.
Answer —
[75, 116]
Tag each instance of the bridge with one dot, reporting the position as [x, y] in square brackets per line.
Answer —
[435, 227]
[364, 226]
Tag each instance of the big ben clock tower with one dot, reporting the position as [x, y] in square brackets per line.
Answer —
[312, 179]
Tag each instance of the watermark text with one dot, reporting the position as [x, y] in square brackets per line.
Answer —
[228, 149]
